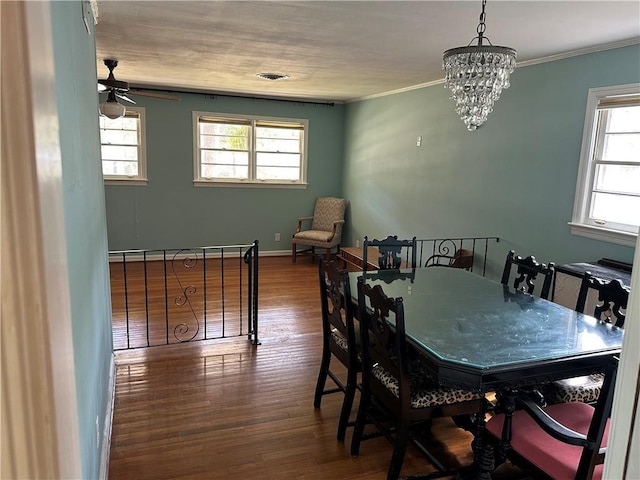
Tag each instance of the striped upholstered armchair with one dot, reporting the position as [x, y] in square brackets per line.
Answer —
[325, 228]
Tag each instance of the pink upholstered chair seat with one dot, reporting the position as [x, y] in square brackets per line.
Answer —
[558, 459]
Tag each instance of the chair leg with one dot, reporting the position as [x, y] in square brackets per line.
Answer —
[347, 403]
[328, 255]
[293, 253]
[399, 450]
[322, 377]
[361, 419]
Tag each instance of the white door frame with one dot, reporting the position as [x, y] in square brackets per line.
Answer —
[622, 460]
[39, 414]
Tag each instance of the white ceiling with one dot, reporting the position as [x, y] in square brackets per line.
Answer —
[336, 50]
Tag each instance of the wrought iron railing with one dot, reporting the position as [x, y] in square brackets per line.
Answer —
[479, 246]
[162, 297]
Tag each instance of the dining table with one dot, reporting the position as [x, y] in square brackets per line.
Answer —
[478, 334]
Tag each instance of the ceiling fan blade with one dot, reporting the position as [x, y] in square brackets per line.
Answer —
[114, 84]
[124, 97]
[147, 93]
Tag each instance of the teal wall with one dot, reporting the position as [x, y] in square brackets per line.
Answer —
[170, 212]
[85, 224]
[514, 177]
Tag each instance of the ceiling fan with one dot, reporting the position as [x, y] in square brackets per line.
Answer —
[118, 89]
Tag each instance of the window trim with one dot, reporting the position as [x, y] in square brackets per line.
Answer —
[198, 181]
[579, 225]
[141, 179]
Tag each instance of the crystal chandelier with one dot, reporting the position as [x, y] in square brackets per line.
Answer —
[476, 76]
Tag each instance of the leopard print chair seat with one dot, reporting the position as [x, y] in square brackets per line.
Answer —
[584, 389]
[424, 391]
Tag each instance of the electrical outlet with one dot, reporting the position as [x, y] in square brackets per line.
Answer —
[277, 237]
[98, 432]
[419, 141]
[357, 243]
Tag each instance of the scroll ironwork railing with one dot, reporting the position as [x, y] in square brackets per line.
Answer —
[162, 297]
[478, 246]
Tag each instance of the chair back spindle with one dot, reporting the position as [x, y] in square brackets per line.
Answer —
[527, 271]
[612, 299]
[393, 253]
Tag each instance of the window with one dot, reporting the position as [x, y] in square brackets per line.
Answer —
[123, 148]
[245, 150]
[607, 204]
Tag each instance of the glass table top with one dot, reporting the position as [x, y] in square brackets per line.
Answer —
[463, 318]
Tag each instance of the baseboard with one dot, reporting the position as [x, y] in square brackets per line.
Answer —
[138, 257]
[108, 422]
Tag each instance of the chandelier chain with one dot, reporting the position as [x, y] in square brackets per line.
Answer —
[482, 25]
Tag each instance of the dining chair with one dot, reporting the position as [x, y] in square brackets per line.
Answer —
[610, 308]
[338, 339]
[527, 271]
[325, 228]
[462, 258]
[396, 385]
[393, 253]
[562, 441]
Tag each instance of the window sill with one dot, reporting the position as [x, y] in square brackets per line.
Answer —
[123, 181]
[202, 183]
[604, 234]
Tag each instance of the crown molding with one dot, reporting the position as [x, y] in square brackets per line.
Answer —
[526, 63]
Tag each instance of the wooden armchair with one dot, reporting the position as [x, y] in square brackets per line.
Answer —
[326, 227]
[562, 441]
[462, 258]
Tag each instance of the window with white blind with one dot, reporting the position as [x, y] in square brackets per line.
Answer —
[607, 204]
[247, 150]
[123, 148]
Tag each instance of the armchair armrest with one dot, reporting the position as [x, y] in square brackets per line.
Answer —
[302, 219]
[434, 261]
[549, 424]
[335, 229]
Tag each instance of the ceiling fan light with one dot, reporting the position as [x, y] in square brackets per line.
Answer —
[112, 109]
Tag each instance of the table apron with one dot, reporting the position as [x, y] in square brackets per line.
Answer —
[518, 375]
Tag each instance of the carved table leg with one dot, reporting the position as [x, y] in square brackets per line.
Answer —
[483, 455]
[507, 405]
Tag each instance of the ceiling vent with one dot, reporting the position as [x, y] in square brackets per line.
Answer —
[272, 76]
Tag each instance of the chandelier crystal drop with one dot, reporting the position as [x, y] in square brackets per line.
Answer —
[476, 76]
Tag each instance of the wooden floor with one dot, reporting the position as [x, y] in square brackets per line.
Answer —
[225, 409]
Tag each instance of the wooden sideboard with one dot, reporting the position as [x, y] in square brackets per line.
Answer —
[352, 258]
